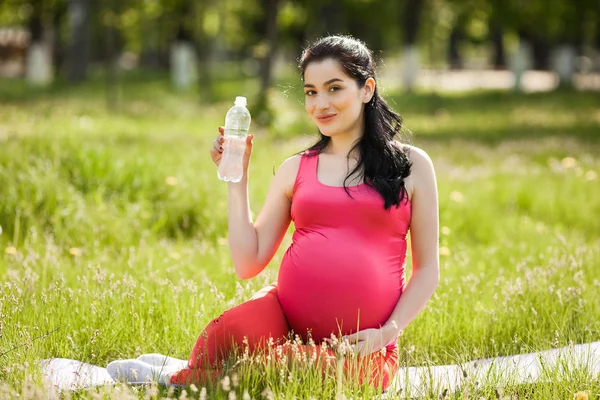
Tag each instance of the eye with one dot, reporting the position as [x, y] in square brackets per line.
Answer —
[334, 88]
[309, 93]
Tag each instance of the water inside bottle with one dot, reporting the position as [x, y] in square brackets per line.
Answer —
[230, 167]
[236, 132]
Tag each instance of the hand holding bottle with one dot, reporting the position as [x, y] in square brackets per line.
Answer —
[234, 159]
[216, 152]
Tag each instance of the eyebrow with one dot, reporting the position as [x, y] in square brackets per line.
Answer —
[326, 83]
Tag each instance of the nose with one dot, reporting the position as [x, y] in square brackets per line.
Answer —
[322, 102]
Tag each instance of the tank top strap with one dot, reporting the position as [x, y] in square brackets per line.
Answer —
[307, 170]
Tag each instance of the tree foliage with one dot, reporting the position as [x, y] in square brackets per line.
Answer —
[236, 29]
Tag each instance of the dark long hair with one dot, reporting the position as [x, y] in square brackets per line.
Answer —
[383, 164]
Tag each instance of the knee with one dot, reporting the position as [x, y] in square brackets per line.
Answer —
[212, 343]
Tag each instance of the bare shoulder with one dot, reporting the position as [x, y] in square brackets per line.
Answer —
[285, 176]
[418, 157]
[421, 170]
[290, 166]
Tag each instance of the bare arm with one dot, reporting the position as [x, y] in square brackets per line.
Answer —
[253, 245]
[424, 234]
[424, 227]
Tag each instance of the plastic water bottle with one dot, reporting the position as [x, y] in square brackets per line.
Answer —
[237, 123]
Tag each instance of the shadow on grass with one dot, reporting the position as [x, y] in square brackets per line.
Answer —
[492, 137]
[488, 117]
[492, 100]
[142, 84]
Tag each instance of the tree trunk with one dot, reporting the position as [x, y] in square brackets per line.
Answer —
[541, 50]
[35, 21]
[520, 61]
[78, 55]
[499, 58]
[563, 64]
[150, 54]
[498, 21]
[271, 8]
[39, 55]
[411, 21]
[454, 58]
[58, 49]
[596, 45]
[209, 49]
[110, 59]
[183, 55]
[183, 64]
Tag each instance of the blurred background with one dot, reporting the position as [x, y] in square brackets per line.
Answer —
[109, 201]
[523, 45]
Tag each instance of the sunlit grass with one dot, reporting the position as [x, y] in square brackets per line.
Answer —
[113, 239]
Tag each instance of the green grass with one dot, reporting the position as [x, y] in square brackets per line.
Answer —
[114, 225]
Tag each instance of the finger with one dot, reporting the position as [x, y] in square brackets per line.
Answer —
[355, 349]
[350, 338]
[358, 348]
[355, 337]
[216, 149]
[363, 349]
[221, 130]
[249, 144]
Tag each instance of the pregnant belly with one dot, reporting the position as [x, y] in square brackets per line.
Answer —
[324, 290]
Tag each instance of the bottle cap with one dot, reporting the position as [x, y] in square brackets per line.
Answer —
[240, 101]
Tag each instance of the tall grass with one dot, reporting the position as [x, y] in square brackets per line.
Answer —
[114, 226]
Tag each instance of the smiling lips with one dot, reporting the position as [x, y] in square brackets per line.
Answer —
[325, 117]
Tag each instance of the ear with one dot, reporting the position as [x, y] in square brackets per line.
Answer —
[369, 90]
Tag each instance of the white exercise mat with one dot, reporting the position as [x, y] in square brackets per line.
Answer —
[414, 382]
[65, 374]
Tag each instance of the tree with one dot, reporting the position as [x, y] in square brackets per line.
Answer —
[39, 54]
[410, 20]
[183, 49]
[79, 50]
[270, 9]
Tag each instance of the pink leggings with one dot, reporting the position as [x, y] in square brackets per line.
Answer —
[257, 320]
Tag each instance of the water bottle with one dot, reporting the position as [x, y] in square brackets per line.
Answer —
[237, 123]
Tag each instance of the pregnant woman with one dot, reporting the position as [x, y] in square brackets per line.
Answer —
[353, 197]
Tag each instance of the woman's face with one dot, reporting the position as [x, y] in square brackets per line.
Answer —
[333, 99]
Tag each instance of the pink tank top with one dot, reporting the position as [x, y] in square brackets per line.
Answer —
[344, 270]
